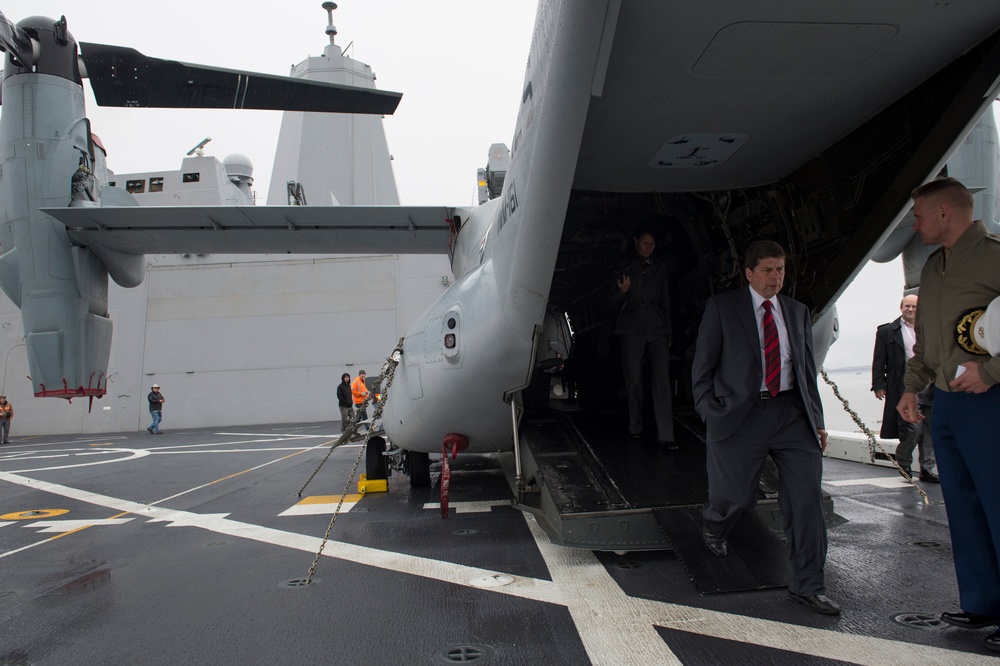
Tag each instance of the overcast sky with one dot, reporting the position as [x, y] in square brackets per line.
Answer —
[459, 64]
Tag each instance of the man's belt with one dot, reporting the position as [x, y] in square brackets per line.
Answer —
[766, 395]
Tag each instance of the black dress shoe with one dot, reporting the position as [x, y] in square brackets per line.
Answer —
[907, 473]
[670, 445]
[993, 642]
[716, 546]
[969, 620]
[817, 603]
[929, 477]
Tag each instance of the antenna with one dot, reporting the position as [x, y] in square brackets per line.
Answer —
[200, 148]
[331, 29]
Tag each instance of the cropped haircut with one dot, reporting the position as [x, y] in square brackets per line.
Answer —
[762, 249]
[947, 189]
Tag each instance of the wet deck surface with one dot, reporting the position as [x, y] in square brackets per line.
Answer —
[190, 547]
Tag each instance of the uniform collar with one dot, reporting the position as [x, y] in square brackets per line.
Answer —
[970, 235]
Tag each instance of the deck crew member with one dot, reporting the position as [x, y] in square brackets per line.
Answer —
[893, 345]
[155, 400]
[359, 391]
[754, 383]
[6, 415]
[963, 275]
[345, 400]
[642, 293]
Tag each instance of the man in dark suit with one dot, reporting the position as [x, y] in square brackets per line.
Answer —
[893, 345]
[754, 383]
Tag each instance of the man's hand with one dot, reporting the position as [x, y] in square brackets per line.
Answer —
[624, 284]
[880, 394]
[822, 438]
[970, 381]
[907, 408]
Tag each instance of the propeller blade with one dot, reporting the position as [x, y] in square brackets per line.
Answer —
[122, 76]
[16, 42]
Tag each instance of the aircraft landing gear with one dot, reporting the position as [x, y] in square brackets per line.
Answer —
[419, 468]
[376, 465]
[381, 459]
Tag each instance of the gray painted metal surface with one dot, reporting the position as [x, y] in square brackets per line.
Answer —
[184, 546]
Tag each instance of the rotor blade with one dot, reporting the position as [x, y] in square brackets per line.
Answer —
[16, 41]
[122, 76]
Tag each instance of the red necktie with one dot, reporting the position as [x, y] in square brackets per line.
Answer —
[772, 352]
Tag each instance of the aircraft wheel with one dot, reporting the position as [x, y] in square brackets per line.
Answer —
[375, 463]
[420, 469]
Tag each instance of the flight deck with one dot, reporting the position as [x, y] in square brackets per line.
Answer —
[196, 546]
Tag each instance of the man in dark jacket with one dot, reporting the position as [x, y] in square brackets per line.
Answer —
[642, 293]
[893, 345]
[345, 400]
[156, 400]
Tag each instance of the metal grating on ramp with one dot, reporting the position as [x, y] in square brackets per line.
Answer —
[757, 558]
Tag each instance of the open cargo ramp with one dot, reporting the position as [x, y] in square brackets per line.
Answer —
[589, 486]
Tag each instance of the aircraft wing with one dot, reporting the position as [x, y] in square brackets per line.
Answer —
[122, 76]
[259, 229]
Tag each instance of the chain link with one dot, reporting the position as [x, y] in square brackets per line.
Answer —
[388, 372]
[873, 441]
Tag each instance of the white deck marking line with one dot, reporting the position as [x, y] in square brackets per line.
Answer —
[160, 452]
[141, 453]
[275, 434]
[603, 613]
[469, 507]
[879, 481]
[575, 572]
[449, 572]
[136, 453]
[613, 629]
[70, 525]
[205, 485]
[171, 447]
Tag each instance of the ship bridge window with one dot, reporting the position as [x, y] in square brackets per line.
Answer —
[192, 177]
[156, 184]
[135, 186]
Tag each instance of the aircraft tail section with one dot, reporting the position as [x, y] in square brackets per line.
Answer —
[554, 102]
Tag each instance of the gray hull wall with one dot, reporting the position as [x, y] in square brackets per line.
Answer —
[234, 340]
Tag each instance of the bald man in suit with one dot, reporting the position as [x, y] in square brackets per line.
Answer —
[754, 382]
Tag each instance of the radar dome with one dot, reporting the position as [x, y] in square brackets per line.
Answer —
[238, 165]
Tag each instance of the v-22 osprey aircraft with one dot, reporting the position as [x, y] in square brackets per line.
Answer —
[717, 123]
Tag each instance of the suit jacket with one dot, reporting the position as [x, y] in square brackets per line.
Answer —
[889, 373]
[727, 371]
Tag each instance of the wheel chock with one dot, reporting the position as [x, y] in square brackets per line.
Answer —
[366, 485]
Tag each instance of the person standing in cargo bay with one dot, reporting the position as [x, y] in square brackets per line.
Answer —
[642, 295]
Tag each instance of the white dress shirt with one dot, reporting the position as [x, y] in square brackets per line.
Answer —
[909, 338]
[787, 373]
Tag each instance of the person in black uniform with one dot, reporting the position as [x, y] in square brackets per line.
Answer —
[642, 295]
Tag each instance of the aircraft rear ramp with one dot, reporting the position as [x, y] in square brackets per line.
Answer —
[589, 486]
